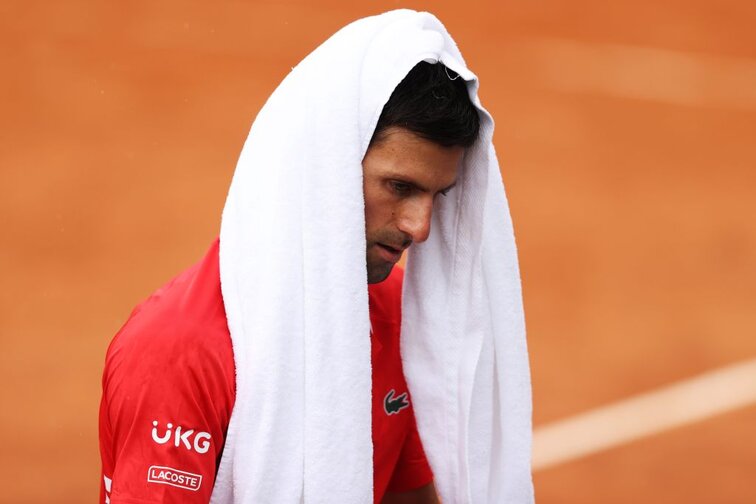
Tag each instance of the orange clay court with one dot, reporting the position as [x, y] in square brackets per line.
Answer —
[625, 131]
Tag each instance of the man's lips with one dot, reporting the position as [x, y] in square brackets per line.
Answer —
[388, 253]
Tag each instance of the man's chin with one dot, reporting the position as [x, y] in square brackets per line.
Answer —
[378, 273]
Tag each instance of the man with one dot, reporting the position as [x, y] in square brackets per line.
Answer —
[414, 157]
[243, 378]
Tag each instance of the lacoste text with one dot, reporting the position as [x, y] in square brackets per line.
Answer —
[174, 477]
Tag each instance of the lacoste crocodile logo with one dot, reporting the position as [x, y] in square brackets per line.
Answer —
[393, 405]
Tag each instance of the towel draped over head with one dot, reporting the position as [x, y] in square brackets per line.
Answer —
[293, 278]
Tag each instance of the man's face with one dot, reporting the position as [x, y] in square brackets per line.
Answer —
[403, 175]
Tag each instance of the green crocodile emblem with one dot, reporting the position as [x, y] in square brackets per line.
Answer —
[393, 405]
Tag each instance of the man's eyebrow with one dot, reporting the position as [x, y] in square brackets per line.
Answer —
[418, 186]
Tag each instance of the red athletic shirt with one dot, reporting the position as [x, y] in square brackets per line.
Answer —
[169, 389]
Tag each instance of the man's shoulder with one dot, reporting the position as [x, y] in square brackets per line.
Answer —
[182, 322]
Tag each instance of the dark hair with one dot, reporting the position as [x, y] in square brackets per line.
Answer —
[432, 102]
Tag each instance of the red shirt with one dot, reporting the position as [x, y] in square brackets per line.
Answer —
[169, 389]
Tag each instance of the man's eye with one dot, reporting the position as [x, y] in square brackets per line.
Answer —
[401, 188]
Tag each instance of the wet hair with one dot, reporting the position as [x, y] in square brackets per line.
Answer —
[432, 102]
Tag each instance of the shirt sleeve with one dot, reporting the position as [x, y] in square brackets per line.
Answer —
[412, 470]
[167, 399]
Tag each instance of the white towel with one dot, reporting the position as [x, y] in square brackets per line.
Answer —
[293, 277]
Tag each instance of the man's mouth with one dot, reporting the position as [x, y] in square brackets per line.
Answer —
[388, 253]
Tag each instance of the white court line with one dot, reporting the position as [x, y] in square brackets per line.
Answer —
[644, 73]
[681, 403]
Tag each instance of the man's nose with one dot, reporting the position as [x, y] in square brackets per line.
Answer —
[415, 220]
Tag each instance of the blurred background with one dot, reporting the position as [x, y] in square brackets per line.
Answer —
[625, 132]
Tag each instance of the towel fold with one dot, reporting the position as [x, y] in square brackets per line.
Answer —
[293, 278]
